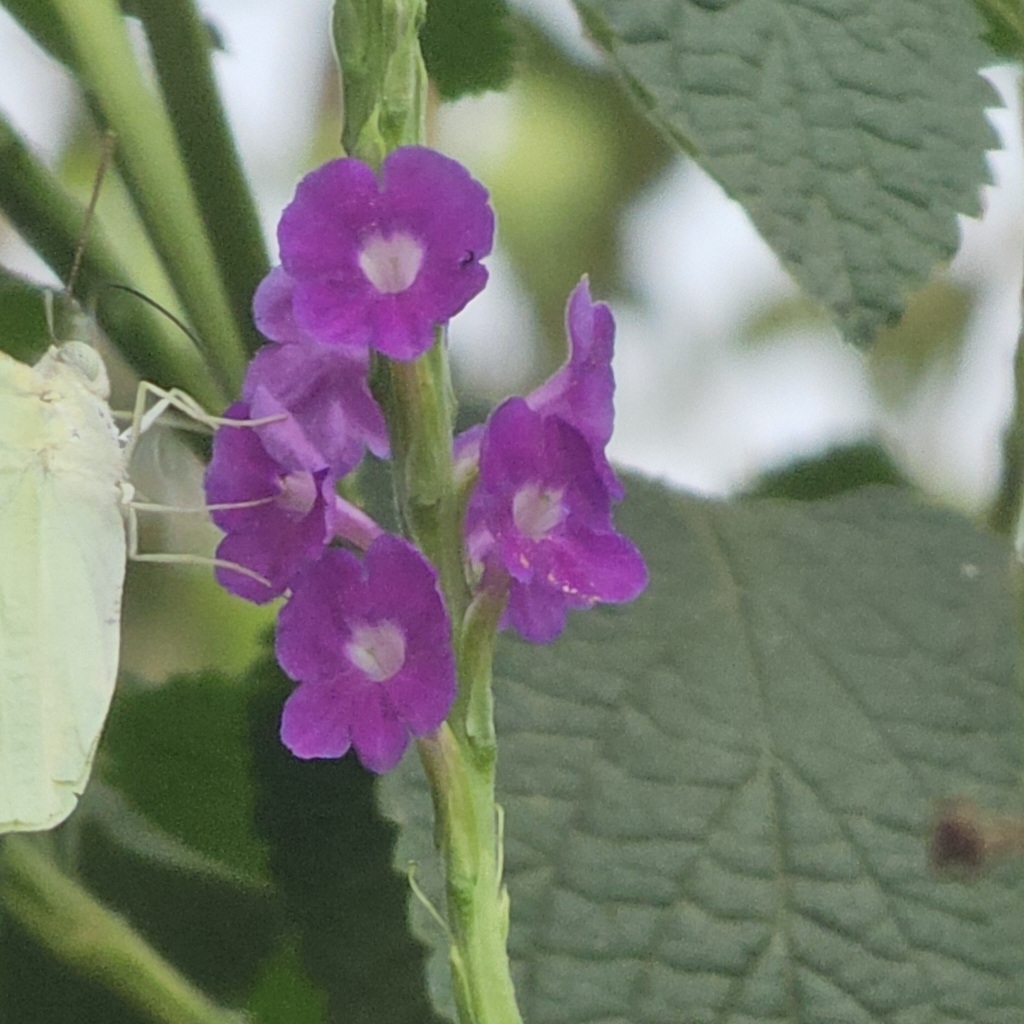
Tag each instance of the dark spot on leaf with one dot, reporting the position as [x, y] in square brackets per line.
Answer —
[957, 844]
[968, 839]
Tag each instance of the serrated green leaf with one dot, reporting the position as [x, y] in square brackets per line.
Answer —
[718, 801]
[852, 131]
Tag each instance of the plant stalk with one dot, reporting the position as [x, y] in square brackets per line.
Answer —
[94, 941]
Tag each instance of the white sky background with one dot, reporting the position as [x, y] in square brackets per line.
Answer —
[693, 407]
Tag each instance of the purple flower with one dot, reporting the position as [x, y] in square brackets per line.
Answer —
[379, 263]
[290, 525]
[581, 392]
[331, 415]
[540, 518]
[370, 645]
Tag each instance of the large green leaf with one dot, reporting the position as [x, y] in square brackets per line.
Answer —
[852, 131]
[181, 753]
[718, 801]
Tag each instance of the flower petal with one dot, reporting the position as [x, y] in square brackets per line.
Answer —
[378, 734]
[582, 391]
[317, 722]
[284, 519]
[325, 390]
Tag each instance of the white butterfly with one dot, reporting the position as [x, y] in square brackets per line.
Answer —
[65, 503]
[62, 563]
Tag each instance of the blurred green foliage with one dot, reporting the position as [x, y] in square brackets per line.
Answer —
[468, 46]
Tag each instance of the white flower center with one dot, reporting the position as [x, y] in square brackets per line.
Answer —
[391, 264]
[536, 511]
[378, 651]
[298, 492]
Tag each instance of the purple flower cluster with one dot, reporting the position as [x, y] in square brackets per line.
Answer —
[372, 264]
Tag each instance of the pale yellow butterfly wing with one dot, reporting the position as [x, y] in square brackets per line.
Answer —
[62, 565]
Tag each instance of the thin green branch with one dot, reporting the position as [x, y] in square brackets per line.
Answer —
[155, 174]
[39, 20]
[50, 221]
[94, 941]
[181, 45]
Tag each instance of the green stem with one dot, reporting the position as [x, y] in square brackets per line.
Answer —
[50, 220]
[460, 760]
[473, 714]
[384, 85]
[420, 407]
[180, 44]
[90, 938]
[384, 80]
[469, 829]
[155, 175]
